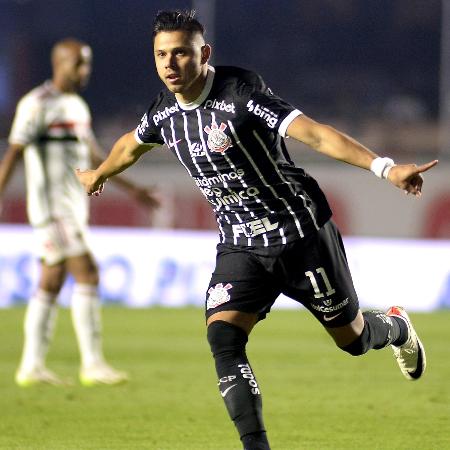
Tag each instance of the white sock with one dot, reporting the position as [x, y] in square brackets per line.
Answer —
[38, 327]
[86, 320]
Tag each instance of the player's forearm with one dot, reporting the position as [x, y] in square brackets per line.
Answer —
[339, 146]
[8, 164]
[125, 152]
[329, 141]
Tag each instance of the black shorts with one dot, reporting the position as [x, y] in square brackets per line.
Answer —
[313, 271]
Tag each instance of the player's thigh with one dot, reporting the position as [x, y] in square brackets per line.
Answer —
[83, 268]
[52, 277]
[318, 276]
[240, 319]
[240, 282]
[60, 239]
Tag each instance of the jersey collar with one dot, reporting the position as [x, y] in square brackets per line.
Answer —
[205, 92]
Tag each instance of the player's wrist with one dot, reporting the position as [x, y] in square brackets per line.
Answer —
[100, 178]
[382, 166]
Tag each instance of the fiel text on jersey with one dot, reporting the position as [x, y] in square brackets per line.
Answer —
[254, 228]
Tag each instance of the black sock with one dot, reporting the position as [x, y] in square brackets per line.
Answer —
[379, 331]
[383, 330]
[403, 331]
[255, 441]
[237, 384]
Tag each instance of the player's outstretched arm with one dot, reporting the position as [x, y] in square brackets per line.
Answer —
[144, 195]
[125, 152]
[335, 144]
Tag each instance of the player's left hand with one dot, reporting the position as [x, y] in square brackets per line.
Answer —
[408, 177]
[146, 197]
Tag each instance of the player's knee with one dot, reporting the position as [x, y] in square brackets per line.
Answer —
[360, 345]
[224, 337]
[84, 269]
[52, 278]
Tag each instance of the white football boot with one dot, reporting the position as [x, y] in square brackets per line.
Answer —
[39, 375]
[411, 355]
[102, 373]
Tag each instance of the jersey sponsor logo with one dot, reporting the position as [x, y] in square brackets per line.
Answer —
[231, 197]
[218, 295]
[143, 125]
[330, 309]
[254, 228]
[196, 149]
[265, 113]
[165, 113]
[220, 106]
[220, 178]
[218, 141]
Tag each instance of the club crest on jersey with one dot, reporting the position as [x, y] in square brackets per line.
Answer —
[218, 295]
[218, 141]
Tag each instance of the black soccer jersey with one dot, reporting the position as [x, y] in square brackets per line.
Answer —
[230, 141]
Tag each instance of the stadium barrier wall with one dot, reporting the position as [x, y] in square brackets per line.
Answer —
[362, 204]
[143, 268]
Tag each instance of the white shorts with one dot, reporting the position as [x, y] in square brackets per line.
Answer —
[61, 239]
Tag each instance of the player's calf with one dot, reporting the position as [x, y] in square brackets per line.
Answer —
[237, 383]
[379, 331]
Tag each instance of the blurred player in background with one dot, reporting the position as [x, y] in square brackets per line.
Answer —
[276, 234]
[52, 130]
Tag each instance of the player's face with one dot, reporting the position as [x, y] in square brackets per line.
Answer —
[76, 67]
[181, 62]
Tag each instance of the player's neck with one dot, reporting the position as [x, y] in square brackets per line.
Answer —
[194, 90]
[63, 86]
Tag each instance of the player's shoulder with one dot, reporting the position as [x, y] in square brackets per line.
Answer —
[33, 102]
[162, 99]
[38, 95]
[240, 77]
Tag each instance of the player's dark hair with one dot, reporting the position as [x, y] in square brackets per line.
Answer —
[177, 20]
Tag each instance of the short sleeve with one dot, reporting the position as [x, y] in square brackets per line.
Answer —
[270, 111]
[27, 122]
[147, 132]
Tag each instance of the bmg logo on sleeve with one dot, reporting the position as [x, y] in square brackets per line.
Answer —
[265, 113]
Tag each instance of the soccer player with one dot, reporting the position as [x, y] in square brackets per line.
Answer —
[52, 130]
[226, 127]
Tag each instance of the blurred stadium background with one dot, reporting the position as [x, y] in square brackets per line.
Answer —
[373, 69]
[377, 70]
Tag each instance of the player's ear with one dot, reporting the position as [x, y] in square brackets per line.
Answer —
[206, 53]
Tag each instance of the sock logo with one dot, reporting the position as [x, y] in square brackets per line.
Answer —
[247, 373]
[228, 389]
[226, 379]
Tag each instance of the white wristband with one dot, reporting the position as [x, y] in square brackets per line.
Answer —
[381, 167]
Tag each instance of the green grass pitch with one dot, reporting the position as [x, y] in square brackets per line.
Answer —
[315, 396]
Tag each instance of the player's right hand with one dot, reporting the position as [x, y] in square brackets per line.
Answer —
[92, 183]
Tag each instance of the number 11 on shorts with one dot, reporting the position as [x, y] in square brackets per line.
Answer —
[312, 278]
